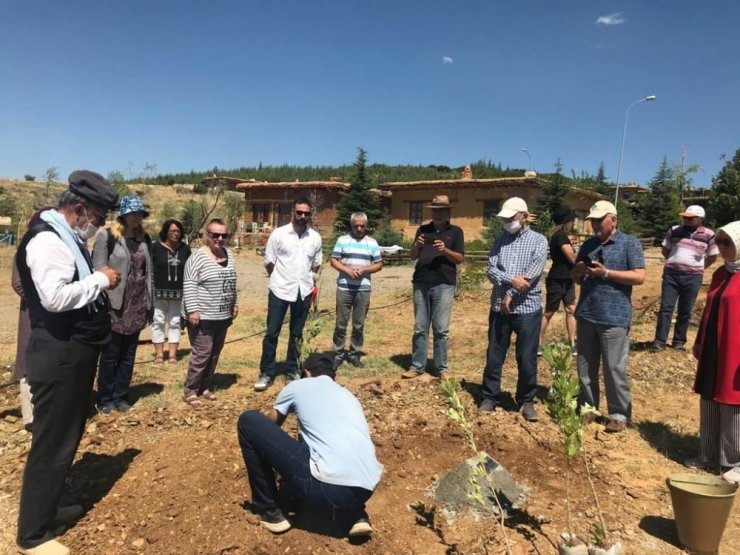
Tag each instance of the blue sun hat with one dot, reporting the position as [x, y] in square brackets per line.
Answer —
[132, 203]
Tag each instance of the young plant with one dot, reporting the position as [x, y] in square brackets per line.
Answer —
[456, 413]
[311, 329]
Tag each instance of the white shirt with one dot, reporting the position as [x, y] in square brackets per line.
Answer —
[294, 258]
[52, 270]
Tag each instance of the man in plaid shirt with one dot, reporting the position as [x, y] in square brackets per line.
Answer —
[515, 267]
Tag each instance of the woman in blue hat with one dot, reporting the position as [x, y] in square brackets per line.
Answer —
[125, 247]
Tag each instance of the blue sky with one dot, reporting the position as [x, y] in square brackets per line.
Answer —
[194, 84]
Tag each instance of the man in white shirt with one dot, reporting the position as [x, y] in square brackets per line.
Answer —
[68, 309]
[333, 467]
[292, 256]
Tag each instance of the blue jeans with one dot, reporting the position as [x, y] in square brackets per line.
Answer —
[267, 449]
[432, 304]
[276, 309]
[527, 329]
[684, 289]
[357, 303]
[116, 368]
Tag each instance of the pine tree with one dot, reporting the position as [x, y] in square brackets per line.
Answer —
[659, 208]
[724, 197]
[554, 192]
[359, 198]
[601, 186]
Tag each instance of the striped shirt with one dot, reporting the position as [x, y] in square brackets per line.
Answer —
[516, 254]
[208, 287]
[688, 248]
[356, 254]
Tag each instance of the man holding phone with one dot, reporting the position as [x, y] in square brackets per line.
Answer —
[607, 266]
[438, 248]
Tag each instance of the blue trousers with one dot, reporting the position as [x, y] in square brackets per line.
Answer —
[527, 329]
[276, 309]
[679, 287]
[116, 368]
[267, 449]
[432, 304]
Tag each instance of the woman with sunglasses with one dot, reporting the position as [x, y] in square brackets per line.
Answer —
[210, 303]
[169, 255]
[125, 247]
[717, 349]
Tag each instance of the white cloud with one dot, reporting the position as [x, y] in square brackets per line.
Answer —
[447, 60]
[611, 19]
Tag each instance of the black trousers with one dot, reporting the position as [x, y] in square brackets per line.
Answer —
[61, 375]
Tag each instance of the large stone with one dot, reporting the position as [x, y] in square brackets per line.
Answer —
[454, 490]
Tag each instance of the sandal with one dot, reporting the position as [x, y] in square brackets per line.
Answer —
[158, 361]
[172, 361]
[193, 401]
[209, 395]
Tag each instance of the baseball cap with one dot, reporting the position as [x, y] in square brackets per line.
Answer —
[693, 211]
[600, 209]
[511, 207]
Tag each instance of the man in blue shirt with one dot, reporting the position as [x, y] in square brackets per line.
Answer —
[607, 266]
[333, 467]
[515, 267]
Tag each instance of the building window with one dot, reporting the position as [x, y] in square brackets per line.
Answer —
[490, 209]
[261, 213]
[415, 209]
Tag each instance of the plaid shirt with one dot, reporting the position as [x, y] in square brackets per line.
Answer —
[522, 253]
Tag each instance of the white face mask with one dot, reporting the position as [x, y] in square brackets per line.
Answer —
[87, 233]
[513, 226]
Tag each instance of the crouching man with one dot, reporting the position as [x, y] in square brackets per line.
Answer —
[333, 467]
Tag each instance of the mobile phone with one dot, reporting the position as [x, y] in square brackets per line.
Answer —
[430, 238]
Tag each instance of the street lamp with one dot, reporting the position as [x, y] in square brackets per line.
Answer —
[624, 134]
[525, 151]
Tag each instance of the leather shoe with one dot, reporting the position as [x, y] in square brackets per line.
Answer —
[411, 374]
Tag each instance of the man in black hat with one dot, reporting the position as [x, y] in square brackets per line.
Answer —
[559, 282]
[68, 309]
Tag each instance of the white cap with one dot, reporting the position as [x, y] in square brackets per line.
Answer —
[693, 211]
[600, 209]
[512, 207]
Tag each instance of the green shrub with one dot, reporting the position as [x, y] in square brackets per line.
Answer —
[388, 235]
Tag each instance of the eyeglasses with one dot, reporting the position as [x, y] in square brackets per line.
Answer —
[302, 212]
[215, 236]
[724, 242]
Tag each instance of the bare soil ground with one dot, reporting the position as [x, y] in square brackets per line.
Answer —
[168, 479]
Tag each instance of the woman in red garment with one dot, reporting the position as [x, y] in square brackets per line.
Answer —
[717, 349]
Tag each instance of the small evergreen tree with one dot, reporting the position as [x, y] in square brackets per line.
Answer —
[359, 198]
[600, 185]
[659, 207]
[724, 197]
[553, 194]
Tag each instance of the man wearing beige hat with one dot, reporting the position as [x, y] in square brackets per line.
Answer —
[688, 249]
[438, 248]
[607, 266]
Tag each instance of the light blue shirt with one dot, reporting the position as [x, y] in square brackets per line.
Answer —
[333, 426]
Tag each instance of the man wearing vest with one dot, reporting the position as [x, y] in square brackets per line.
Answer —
[68, 309]
[688, 249]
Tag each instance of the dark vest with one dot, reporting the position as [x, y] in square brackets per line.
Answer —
[89, 324]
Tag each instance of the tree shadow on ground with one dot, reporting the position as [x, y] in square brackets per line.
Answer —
[674, 445]
[402, 361]
[223, 381]
[528, 527]
[141, 390]
[661, 528]
[93, 476]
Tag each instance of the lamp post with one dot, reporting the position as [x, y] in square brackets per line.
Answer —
[624, 134]
[525, 151]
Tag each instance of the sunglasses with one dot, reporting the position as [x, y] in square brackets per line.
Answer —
[215, 236]
[724, 242]
[302, 212]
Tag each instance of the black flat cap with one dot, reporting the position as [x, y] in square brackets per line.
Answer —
[94, 188]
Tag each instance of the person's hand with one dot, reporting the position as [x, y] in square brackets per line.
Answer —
[696, 350]
[114, 276]
[596, 270]
[419, 241]
[506, 305]
[234, 312]
[439, 245]
[520, 283]
[194, 318]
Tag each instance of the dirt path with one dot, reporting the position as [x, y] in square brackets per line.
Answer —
[166, 479]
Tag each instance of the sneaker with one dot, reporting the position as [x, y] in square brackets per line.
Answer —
[292, 376]
[529, 412]
[123, 406]
[697, 463]
[679, 346]
[338, 360]
[410, 374]
[263, 382]
[361, 528]
[574, 351]
[106, 409]
[732, 475]
[274, 521]
[657, 346]
[356, 362]
[487, 406]
[539, 351]
[615, 426]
